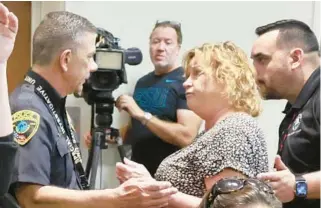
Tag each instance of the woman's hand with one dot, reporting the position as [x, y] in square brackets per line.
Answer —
[130, 169]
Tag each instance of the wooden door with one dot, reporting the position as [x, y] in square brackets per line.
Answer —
[20, 59]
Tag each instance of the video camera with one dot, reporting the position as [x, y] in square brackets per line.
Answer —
[111, 73]
[97, 92]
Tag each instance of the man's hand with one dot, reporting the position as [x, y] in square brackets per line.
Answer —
[282, 181]
[127, 103]
[8, 32]
[88, 139]
[131, 170]
[143, 193]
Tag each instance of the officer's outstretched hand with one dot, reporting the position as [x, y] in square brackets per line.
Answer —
[145, 193]
[130, 169]
[282, 181]
[8, 32]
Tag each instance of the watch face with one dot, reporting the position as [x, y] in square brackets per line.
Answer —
[301, 189]
[148, 116]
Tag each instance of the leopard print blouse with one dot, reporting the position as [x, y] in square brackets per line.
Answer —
[235, 142]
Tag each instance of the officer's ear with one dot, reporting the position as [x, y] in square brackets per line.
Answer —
[64, 59]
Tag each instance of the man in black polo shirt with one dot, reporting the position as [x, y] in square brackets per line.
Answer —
[286, 57]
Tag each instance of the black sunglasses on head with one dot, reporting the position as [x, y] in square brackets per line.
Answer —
[229, 185]
[173, 23]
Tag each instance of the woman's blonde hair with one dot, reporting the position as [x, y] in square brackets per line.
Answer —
[230, 67]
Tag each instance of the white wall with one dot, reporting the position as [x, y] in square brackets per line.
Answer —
[201, 22]
[40, 9]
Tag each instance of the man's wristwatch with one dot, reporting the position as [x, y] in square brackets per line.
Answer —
[301, 187]
[147, 117]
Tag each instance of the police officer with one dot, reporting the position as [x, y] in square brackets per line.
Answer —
[48, 170]
[286, 57]
[8, 32]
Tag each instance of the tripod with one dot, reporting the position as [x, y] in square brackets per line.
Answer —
[101, 133]
[98, 143]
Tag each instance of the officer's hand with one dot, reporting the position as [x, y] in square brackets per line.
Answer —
[282, 181]
[88, 139]
[130, 169]
[127, 103]
[8, 32]
[143, 193]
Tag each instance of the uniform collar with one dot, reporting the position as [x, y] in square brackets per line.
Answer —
[307, 91]
[56, 99]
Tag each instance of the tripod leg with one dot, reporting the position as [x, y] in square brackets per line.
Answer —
[95, 159]
[90, 159]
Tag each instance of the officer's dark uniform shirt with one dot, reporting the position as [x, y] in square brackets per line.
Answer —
[161, 96]
[43, 156]
[299, 132]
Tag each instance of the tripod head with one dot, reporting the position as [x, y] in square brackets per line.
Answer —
[103, 120]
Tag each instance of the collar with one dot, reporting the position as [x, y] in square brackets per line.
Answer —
[55, 98]
[307, 91]
[171, 72]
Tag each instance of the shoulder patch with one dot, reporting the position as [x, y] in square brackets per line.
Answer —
[25, 125]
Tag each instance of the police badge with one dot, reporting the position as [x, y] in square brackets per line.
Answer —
[25, 125]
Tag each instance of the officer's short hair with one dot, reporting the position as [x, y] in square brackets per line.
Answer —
[58, 31]
[292, 33]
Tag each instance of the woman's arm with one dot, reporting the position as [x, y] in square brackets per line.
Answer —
[8, 32]
[183, 200]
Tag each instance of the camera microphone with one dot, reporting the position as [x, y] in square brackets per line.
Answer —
[133, 56]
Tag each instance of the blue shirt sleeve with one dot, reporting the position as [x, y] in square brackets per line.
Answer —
[33, 161]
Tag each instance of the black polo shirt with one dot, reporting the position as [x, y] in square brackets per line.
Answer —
[299, 135]
[43, 156]
[8, 150]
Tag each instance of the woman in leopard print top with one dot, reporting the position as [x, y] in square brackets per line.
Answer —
[235, 142]
[221, 89]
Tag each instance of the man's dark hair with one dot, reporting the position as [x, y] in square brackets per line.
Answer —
[292, 33]
[173, 24]
[58, 31]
